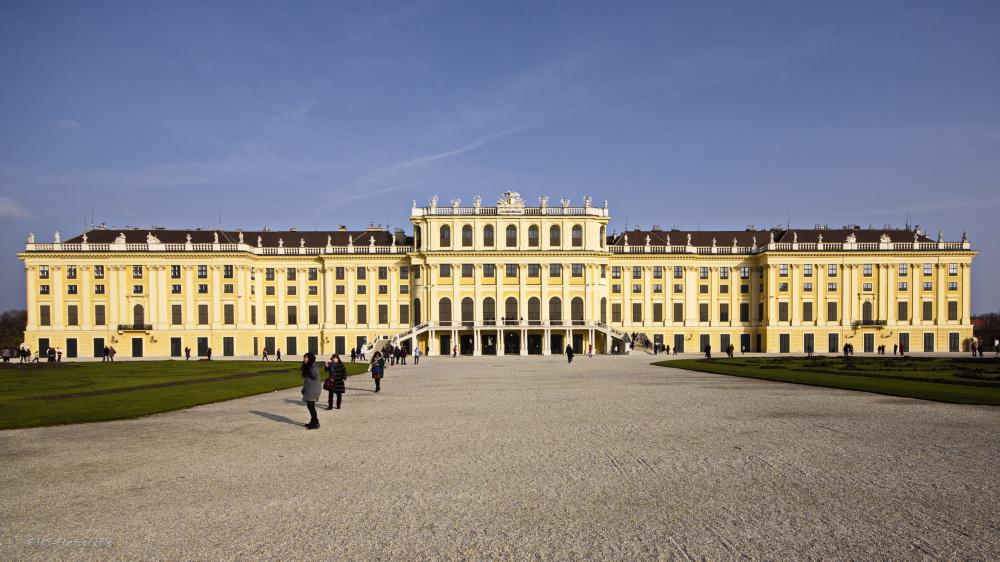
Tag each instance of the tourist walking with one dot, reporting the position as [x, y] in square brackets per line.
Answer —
[377, 368]
[708, 351]
[263, 355]
[335, 383]
[208, 353]
[454, 352]
[59, 354]
[277, 355]
[569, 353]
[187, 353]
[590, 350]
[354, 355]
[416, 355]
[311, 388]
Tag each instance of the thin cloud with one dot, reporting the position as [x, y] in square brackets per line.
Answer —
[9, 209]
[68, 124]
[341, 201]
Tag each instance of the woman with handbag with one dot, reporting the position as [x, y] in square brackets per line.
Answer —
[378, 368]
[335, 382]
[312, 388]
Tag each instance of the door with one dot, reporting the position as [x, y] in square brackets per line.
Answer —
[136, 347]
[704, 340]
[98, 347]
[202, 347]
[534, 344]
[953, 342]
[466, 344]
[489, 342]
[43, 347]
[904, 342]
[578, 344]
[784, 343]
[929, 342]
[291, 345]
[340, 345]
[313, 344]
[269, 345]
[362, 340]
[256, 352]
[512, 342]
[744, 342]
[558, 347]
[809, 343]
[834, 343]
[176, 347]
[869, 342]
[228, 347]
[70, 347]
[723, 343]
[679, 343]
[445, 344]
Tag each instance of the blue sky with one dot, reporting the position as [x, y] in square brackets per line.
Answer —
[710, 115]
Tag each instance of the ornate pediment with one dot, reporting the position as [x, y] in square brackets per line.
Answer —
[510, 202]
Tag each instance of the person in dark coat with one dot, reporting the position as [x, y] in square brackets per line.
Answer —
[378, 369]
[335, 383]
[569, 353]
[312, 388]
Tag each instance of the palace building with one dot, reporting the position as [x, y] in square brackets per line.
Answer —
[496, 280]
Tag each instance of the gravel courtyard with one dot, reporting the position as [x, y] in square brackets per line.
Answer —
[517, 458]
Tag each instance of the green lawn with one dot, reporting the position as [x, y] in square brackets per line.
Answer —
[59, 393]
[957, 380]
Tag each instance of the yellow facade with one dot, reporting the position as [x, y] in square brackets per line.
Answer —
[504, 279]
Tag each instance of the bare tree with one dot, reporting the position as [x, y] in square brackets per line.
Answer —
[12, 325]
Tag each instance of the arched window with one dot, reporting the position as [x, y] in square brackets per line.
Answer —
[416, 312]
[511, 236]
[445, 236]
[510, 310]
[489, 310]
[555, 309]
[604, 310]
[416, 236]
[533, 236]
[576, 310]
[488, 236]
[444, 310]
[577, 236]
[138, 315]
[468, 310]
[534, 310]
[555, 237]
[866, 312]
[467, 236]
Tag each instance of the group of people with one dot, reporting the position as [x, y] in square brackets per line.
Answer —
[978, 347]
[277, 355]
[109, 353]
[23, 354]
[312, 388]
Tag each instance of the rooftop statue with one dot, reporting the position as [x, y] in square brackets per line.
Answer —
[851, 238]
[120, 239]
[31, 238]
[150, 239]
[216, 235]
[241, 237]
[510, 199]
[57, 237]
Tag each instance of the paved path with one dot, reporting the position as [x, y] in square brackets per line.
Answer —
[517, 458]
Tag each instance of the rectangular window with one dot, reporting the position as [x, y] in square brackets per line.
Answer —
[928, 310]
[98, 289]
[511, 270]
[678, 272]
[831, 270]
[72, 315]
[202, 272]
[203, 288]
[98, 272]
[467, 270]
[404, 289]
[404, 314]
[555, 270]
[807, 270]
[253, 314]
[952, 310]
[904, 270]
[136, 272]
[604, 271]
[383, 289]
[831, 311]
[362, 273]
[340, 289]
[44, 315]
[657, 272]
[636, 287]
[227, 272]
[678, 287]
[176, 317]
[227, 288]
[952, 285]
[404, 272]
[724, 289]
[203, 314]
[637, 312]
[636, 272]
[616, 272]
[703, 273]
[783, 287]
[99, 319]
[228, 314]
[137, 289]
[616, 288]
[269, 274]
[616, 312]
[703, 312]
[952, 270]
[657, 288]
[866, 286]
[724, 312]
[783, 270]
[383, 314]
[782, 312]
[723, 273]
[293, 314]
[807, 312]
[269, 315]
[340, 314]
[657, 312]
[362, 314]
[928, 285]
[903, 311]
[744, 273]
[175, 289]
[383, 272]
[444, 270]
[831, 286]
[533, 270]
[43, 272]
[903, 285]
[703, 289]
[269, 290]
[928, 269]
[313, 314]
[577, 269]
[866, 270]
[807, 287]
[678, 312]
[744, 312]
[361, 290]
[71, 272]
[70, 289]
[340, 273]
[489, 270]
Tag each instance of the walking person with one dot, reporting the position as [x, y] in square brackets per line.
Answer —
[569, 353]
[277, 355]
[416, 355]
[708, 351]
[263, 355]
[590, 350]
[895, 348]
[111, 353]
[187, 353]
[335, 383]
[454, 352]
[59, 354]
[378, 368]
[208, 353]
[354, 355]
[311, 388]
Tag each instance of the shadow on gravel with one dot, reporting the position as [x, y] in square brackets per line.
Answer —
[274, 417]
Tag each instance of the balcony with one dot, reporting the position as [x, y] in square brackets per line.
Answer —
[134, 327]
[876, 323]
